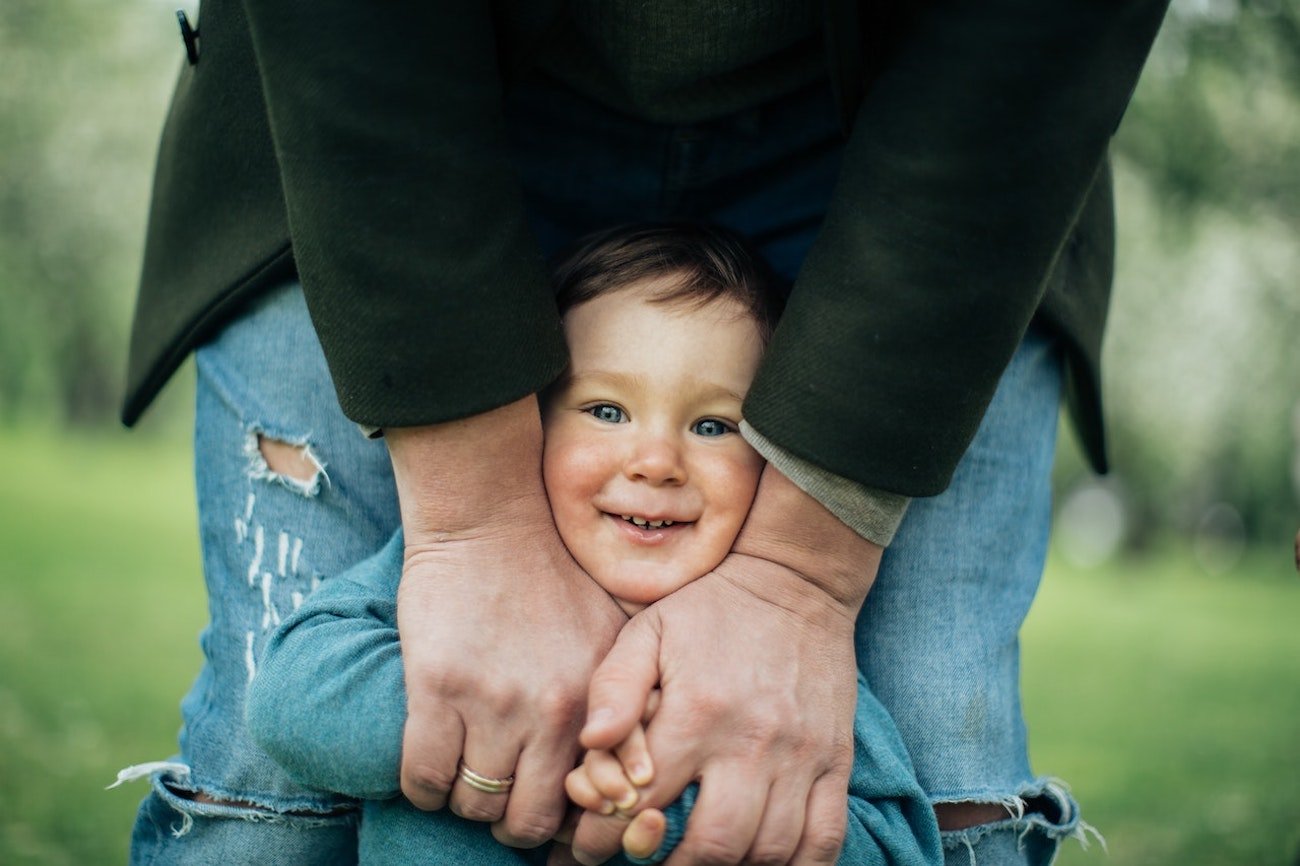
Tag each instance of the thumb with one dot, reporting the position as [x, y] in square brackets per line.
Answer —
[621, 686]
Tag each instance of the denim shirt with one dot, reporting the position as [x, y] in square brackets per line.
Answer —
[329, 704]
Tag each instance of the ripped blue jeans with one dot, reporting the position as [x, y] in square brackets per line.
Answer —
[268, 539]
[938, 636]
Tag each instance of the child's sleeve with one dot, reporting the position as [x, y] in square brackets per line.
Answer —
[891, 822]
[328, 702]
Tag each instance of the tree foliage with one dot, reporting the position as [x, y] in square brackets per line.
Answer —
[1203, 355]
[1203, 364]
[84, 91]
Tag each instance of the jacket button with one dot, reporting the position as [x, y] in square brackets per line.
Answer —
[190, 35]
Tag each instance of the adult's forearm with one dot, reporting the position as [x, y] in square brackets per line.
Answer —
[952, 207]
[469, 475]
[873, 514]
[789, 527]
[427, 290]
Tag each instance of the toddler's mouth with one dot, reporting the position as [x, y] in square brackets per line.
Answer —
[641, 521]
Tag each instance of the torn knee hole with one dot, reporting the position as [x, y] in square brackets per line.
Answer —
[200, 797]
[291, 461]
[967, 814]
[962, 816]
[208, 799]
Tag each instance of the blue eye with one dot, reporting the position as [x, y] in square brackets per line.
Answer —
[607, 412]
[711, 427]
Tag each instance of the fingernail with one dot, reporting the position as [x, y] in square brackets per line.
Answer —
[640, 775]
[606, 808]
[628, 801]
[638, 848]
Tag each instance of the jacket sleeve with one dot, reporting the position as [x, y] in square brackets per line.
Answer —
[970, 158]
[428, 292]
[328, 702]
[890, 820]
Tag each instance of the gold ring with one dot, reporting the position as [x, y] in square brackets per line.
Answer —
[486, 784]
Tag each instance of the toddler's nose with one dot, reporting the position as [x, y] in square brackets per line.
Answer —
[657, 459]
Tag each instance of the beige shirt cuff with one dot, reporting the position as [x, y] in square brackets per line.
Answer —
[873, 514]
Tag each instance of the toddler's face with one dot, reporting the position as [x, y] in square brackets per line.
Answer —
[648, 477]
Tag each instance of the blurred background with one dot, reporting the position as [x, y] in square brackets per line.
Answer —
[1162, 662]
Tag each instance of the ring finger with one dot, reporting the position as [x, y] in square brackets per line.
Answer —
[483, 779]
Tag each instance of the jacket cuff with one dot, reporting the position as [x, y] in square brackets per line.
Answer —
[873, 514]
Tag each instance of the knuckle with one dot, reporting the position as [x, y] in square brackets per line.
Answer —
[770, 854]
[823, 844]
[710, 705]
[475, 811]
[528, 829]
[423, 800]
[713, 848]
[774, 731]
[561, 706]
[426, 780]
[499, 697]
[431, 680]
[763, 740]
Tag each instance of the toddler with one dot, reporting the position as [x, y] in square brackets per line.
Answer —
[649, 482]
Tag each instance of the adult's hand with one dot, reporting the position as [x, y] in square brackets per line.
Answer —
[501, 630]
[756, 666]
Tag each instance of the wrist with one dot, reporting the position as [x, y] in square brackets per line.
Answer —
[874, 514]
[788, 527]
[466, 476]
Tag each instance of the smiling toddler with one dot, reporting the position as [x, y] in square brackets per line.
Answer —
[649, 482]
[648, 477]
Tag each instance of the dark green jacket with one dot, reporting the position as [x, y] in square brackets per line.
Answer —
[363, 148]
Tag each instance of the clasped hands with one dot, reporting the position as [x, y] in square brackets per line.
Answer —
[516, 662]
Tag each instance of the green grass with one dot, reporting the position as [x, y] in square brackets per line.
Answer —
[101, 602]
[1170, 700]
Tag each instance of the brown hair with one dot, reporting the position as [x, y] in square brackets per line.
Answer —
[708, 261]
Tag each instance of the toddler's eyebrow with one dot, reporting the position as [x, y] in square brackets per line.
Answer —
[615, 379]
[611, 378]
